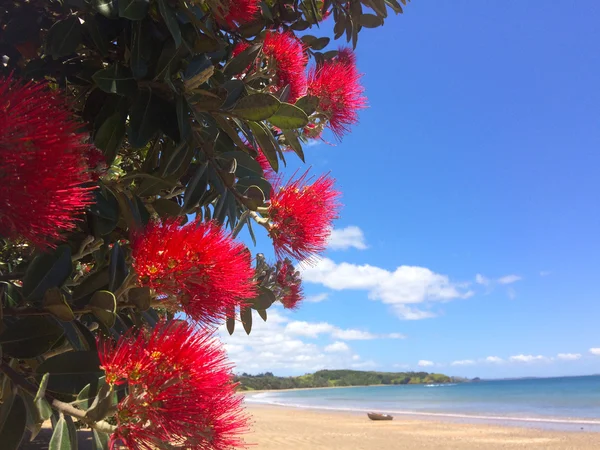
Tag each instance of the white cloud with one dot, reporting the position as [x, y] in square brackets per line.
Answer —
[463, 362]
[494, 359]
[568, 356]
[509, 279]
[544, 273]
[407, 285]
[317, 298]
[425, 363]
[314, 329]
[480, 279]
[595, 351]
[528, 358]
[345, 238]
[337, 346]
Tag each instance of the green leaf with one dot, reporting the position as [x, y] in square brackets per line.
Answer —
[170, 20]
[61, 437]
[246, 316]
[308, 104]
[370, 21]
[41, 392]
[13, 429]
[100, 440]
[30, 337]
[133, 9]
[104, 306]
[230, 322]
[256, 107]
[64, 37]
[140, 50]
[97, 34]
[246, 165]
[293, 142]
[86, 396]
[143, 119]
[314, 42]
[46, 271]
[101, 404]
[115, 79]
[94, 282]
[38, 410]
[70, 372]
[117, 270]
[110, 135]
[266, 144]
[263, 314]
[263, 300]
[108, 8]
[289, 117]
[166, 208]
[56, 303]
[195, 189]
[240, 62]
[141, 297]
[183, 120]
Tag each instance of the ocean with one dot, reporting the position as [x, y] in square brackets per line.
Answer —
[562, 403]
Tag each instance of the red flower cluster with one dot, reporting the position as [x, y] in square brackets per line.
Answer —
[288, 278]
[43, 164]
[238, 11]
[301, 216]
[337, 85]
[179, 390]
[201, 269]
[286, 53]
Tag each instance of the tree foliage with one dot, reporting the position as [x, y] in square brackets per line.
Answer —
[178, 111]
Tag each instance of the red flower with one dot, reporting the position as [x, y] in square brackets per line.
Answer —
[197, 267]
[179, 390]
[288, 278]
[301, 216]
[286, 54]
[336, 83]
[237, 11]
[42, 164]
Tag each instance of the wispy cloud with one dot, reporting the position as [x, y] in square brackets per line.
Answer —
[545, 273]
[528, 358]
[494, 359]
[345, 238]
[568, 356]
[595, 351]
[337, 346]
[315, 329]
[509, 279]
[425, 363]
[463, 362]
[402, 288]
[317, 298]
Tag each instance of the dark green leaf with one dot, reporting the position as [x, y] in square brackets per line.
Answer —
[110, 136]
[101, 404]
[96, 33]
[246, 165]
[143, 119]
[183, 119]
[370, 21]
[133, 9]
[378, 6]
[64, 37]
[293, 142]
[115, 79]
[256, 107]
[308, 104]
[30, 337]
[94, 282]
[108, 8]
[13, 429]
[266, 144]
[195, 189]
[300, 25]
[166, 208]
[171, 21]
[140, 297]
[117, 271]
[70, 372]
[289, 117]
[46, 271]
[246, 316]
[140, 49]
[263, 300]
[315, 43]
[240, 62]
[263, 314]
[104, 306]
[56, 303]
[100, 440]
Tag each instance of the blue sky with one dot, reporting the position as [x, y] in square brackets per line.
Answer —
[468, 243]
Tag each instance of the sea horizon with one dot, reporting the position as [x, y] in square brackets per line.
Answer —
[571, 402]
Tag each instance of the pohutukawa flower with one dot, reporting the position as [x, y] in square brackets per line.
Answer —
[179, 390]
[285, 53]
[234, 12]
[336, 83]
[301, 215]
[43, 166]
[198, 268]
[288, 279]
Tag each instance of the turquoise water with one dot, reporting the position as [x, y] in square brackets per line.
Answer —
[566, 400]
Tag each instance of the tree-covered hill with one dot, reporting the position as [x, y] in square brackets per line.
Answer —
[334, 378]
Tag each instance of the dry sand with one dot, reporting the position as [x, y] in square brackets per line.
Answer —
[279, 428]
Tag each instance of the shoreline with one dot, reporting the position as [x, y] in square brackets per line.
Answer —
[276, 427]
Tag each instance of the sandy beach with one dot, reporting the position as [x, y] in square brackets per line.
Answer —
[276, 428]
